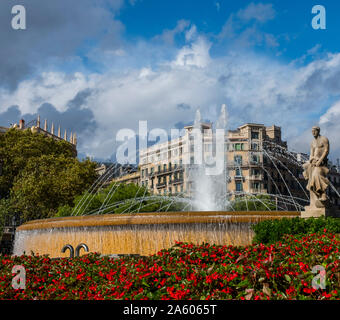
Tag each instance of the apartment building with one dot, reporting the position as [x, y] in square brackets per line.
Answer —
[258, 161]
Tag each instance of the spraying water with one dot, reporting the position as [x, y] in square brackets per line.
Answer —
[209, 172]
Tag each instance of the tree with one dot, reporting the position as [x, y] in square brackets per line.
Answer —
[39, 174]
[17, 147]
[48, 182]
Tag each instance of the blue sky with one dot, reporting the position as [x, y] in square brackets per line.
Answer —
[95, 67]
[291, 21]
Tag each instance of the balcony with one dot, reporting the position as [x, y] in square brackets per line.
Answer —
[256, 177]
[258, 190]
[176, 181]
[166, 171]
[161, 185]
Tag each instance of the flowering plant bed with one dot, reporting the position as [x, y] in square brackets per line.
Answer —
[282, 270]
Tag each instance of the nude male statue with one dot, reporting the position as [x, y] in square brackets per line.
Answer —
[316, 170]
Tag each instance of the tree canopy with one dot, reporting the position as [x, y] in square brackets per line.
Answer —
[39, 174]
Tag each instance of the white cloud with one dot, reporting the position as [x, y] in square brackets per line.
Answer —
[255, 89]
[259, 12]
[195, 54]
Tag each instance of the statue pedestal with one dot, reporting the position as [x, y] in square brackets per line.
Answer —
[320, 212]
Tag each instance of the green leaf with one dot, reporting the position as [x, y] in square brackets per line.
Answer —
[287, 277]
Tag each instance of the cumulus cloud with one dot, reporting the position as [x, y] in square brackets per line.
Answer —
[255, 89]
[165, 84]
[55, 31]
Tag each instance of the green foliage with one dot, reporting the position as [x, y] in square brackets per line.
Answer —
[18, 147]
[270, 231]
[48, 182]
[253, 203]
[40, 174]
[121, 198]
[64, 211]
[5, 210]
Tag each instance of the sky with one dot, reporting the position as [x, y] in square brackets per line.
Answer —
[98, 66]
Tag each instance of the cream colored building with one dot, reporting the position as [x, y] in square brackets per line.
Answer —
[163, 166]
[258, 162]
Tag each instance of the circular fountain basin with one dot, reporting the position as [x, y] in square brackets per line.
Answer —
[142, 233]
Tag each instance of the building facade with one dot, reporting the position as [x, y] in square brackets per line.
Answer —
[35, 127]
[258, 162]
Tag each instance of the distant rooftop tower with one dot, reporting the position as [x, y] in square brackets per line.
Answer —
[21, 124]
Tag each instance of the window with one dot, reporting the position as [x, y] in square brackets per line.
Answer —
[255, 172]
[239, 186]
[238, 146]
[256, 186]
[254, 146]
[255, 158]
[238, 160]
[238, 172]
[254, 135]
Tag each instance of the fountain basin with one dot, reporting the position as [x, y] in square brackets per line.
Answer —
[142, 233]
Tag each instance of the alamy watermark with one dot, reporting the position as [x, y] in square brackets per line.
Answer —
[201, 146]
[319, 20]
[19, 19]
[319, 281]
[19, 281]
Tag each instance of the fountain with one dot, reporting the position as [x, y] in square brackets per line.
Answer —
[207, 216]
[210, 192]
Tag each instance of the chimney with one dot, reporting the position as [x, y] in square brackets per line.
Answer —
[71, 137]
[65, 135]
[74, 139]
[21, 124]
[45, 125]
[59, 134]
[38, 122]
[52, 128]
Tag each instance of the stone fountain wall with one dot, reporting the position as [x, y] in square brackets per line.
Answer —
[144, 233]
